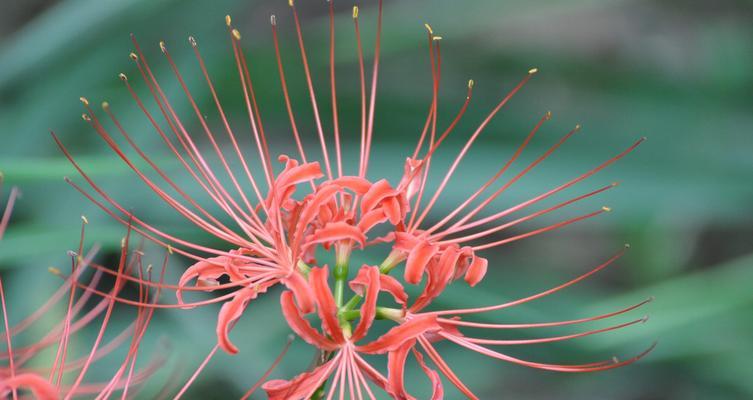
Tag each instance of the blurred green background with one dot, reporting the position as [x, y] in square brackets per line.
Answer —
[677, 71]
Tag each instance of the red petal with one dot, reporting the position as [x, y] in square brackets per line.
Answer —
[368, 309]
[302, 291]
[327, 308]
[231, 311]
[396, 369]
[386, 283]
[209, 269]
[371, 219]
[378, 192]
[301, 326]
[335, 231]
[476, 271]
[439, 275]
[398, 335]
[436, 381]
[302, 386]
[418, 258]
[357, 184]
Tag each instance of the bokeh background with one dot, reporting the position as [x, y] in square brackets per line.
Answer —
[676, 71]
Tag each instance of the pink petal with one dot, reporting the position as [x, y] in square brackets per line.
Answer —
[368, 309]
[398, 335]
[476, 271]
[386, 283]
[418, 258]
[396, 370]
[302, 291]
[302, 386]
[436, 381]
[301, 326]
[231, 311]
[326, 306]
[378, 192]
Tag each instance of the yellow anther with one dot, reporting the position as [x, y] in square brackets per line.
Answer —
[355, 12]
[606, 209]
[290, 3]
[471, 83]
[533, 71]
[84, 100]
[436, 38]
[162, 46]
[428, 28]
[170, 249]
[83, 218]
[86, 117]
[105, 105]
[122, 77]
[54, 271]
[133, 56]
[192, 40]
[548, 115]
[273, 19]
[237, 34]
[228, 20]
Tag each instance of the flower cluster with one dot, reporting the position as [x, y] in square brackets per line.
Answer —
[286, 218]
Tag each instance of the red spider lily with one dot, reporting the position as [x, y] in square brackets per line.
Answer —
[282, 217]
[48, 383]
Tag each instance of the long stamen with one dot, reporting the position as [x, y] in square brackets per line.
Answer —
[372, 101]
[333, 87]
[312, 95]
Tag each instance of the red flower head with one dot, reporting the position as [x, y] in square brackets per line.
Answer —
[283, 216]
[48, 383]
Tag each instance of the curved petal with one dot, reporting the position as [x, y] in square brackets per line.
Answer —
[377, 192]
[436, 381]
[301, 326]
[418, 258]
[439, 275]
[396, 370]
[302, 291]
[368, 309]
[357, 184]
[302, 386]
[231, 311]
[395, 337]
[476, 271]
[386, 283]
[371, 219]
[203, 271]
[335, 231]
[326, 306]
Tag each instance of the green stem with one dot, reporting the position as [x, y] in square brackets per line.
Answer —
[340, 273]
[389, 263]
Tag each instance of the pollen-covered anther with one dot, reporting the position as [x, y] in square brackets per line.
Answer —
[105, 105]
[627, 245]
[615, 183]
[228, 20]
[435, 38]
[84, 100]
[548, 115]
[273, 20]
[237, 34]
[606, 209]
[86, 117]
[71, 253]
[471, 83]
[192, 40]
[149, 268]
[355, 12]
[162, 46]
[290, 3]
[86, 220]
[578, 126]
[133, 56]
[533, 71]
[644, 319]
[170, 249]
[122, 243]
[428, 28]
[122, 77]
[54, 271]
